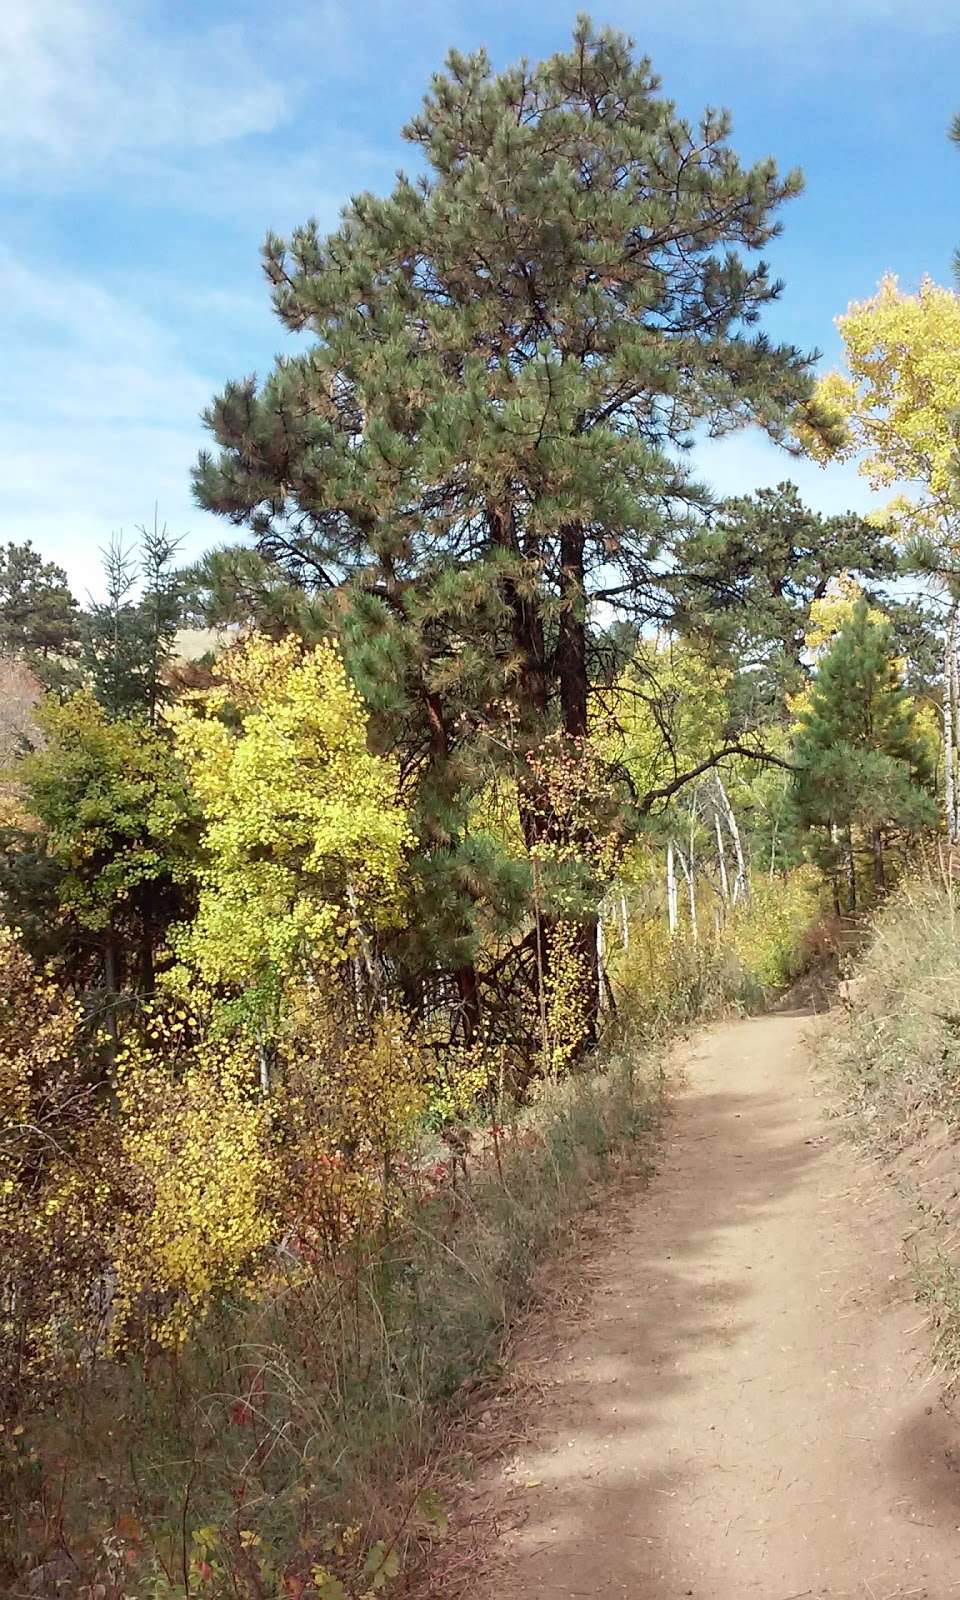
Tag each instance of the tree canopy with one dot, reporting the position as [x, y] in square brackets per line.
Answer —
[484, 439]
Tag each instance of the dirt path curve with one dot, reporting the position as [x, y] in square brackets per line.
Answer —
[741, 1406]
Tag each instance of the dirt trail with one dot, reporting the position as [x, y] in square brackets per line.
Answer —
[742, 1404]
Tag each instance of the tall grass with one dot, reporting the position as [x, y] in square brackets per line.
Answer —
[899, 1050]
[898, 1055]
[287, 1448]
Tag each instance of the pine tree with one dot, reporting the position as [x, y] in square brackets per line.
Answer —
[862, 761]
[236, 589]
[757, 565]
[129, 638]
[482, 440]
[39, 617]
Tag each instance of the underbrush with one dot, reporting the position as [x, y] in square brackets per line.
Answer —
[296, 1302]
[288, 1447]
[764, 944]
[899, 1050]
[898, 1057]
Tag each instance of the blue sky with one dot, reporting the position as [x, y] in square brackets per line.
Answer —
[146, 147]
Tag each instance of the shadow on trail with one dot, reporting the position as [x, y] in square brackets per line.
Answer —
[926, 1457]
[670, 1303]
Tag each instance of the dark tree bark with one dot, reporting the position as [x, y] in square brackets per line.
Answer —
[571, 661]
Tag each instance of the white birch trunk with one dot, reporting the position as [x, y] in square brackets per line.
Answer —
[624, 923]
[687, 869]
[741, 886]
[362, 940]
[671, 889]
[951, 697]
[721, 861]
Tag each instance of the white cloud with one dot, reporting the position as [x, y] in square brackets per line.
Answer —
[102, 420]
[83, 82]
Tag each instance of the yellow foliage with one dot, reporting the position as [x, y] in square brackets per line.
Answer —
[459, 1081]
[836, 607]
[567, 985]
[304, 834]
[900, 397]
[575, 811]
[198, 1173]
[493, 809]
[766, 932]
[56, 1177]
[662, 979]
[666, 686]
[351, 1108]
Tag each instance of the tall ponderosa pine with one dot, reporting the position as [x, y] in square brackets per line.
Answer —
[862, 761]
[481, 441]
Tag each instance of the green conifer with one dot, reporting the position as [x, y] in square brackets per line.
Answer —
[863, 765]
[129, 637]
[484, 439]
[39, 617]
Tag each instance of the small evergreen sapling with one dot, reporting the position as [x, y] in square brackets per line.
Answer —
[863, 763]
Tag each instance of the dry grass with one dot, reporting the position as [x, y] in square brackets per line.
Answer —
[242, 1465]
[899, 1050]
[898, 1056]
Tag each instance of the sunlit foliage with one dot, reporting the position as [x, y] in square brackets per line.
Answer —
[303, 837]
[899, 398]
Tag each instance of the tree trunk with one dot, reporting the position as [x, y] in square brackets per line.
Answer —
[465, 976]
[572, 633]
[540, 931]
[671, 890]
[851, 873]
[687, 868]
[951, 727]
[363, 943]
[835, 868]
[468, 990]
[601, 960]
[587, 949]
[741, 886]
[111, 981]
[570, 667]
[879, 874]
[526, 624]
[148, 977]
[721, 861]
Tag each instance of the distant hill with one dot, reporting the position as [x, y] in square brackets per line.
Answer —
[192, 643]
